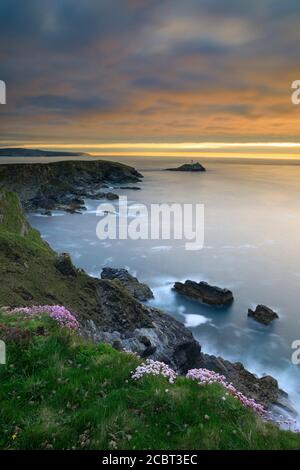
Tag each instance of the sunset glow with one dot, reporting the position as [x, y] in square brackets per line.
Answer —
[166, 77]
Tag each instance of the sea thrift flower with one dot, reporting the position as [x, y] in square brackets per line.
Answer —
[151, 367]
[205, 377]
[58, 313]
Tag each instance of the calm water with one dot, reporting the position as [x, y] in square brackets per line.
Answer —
[252, 246]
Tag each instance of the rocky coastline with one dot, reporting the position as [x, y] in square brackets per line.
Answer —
[108, 309]
[64, 185]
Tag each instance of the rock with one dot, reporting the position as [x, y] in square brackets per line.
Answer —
[65, 266]
[203, 292]
[120, 319]
[73, 208]
[137, 289]
[264, 390]
[125, 323]
[46, 212]
[263, 314]
[57, 185]
[134, 188]
[15, 335]
[24, 293]
[189, 167]
[111, 196]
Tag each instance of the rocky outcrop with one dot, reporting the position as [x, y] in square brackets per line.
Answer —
[263, 314]
[127, 324]
[203, 292]
[137, 289]
[193, 167]
[64, 185]
[64, 265]
[264, 390]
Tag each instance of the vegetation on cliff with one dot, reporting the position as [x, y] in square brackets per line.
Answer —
[64, 184]
[60, 391]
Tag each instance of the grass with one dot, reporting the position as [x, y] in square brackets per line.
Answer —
[12, 218]
[59, 391]
[27, 265]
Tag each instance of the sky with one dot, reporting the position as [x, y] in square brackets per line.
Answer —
[142, 77]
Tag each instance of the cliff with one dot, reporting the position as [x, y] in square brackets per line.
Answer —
[63, 184]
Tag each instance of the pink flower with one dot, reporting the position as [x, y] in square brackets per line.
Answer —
[58, 313]
[205, 376]
[151, 367]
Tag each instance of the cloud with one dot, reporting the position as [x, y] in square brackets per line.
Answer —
[149, 69]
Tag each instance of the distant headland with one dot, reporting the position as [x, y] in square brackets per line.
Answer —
[24, 152]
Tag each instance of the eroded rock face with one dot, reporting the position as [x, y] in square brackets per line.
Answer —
[127, 324]
[64, 265]
[64, 185]
[137, 289]
[203, 292]
[264, 390]
[263, 314]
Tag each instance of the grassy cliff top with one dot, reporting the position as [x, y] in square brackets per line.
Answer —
[68, 171]
[61, 392]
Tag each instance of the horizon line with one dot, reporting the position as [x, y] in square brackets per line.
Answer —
[185, 145]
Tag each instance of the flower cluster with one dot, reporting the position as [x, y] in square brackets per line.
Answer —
[205, 376]
[58, 313]
[151, 367]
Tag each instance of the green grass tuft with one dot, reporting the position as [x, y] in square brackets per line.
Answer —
[59, 391]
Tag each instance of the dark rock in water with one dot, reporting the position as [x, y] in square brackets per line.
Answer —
[121, 320]
[46, 212]
[263, 314]
[111, 196]
[203, 292]
[189, 167]
[64, 265]
[137, 289]
[264, 390]
[134, 188]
